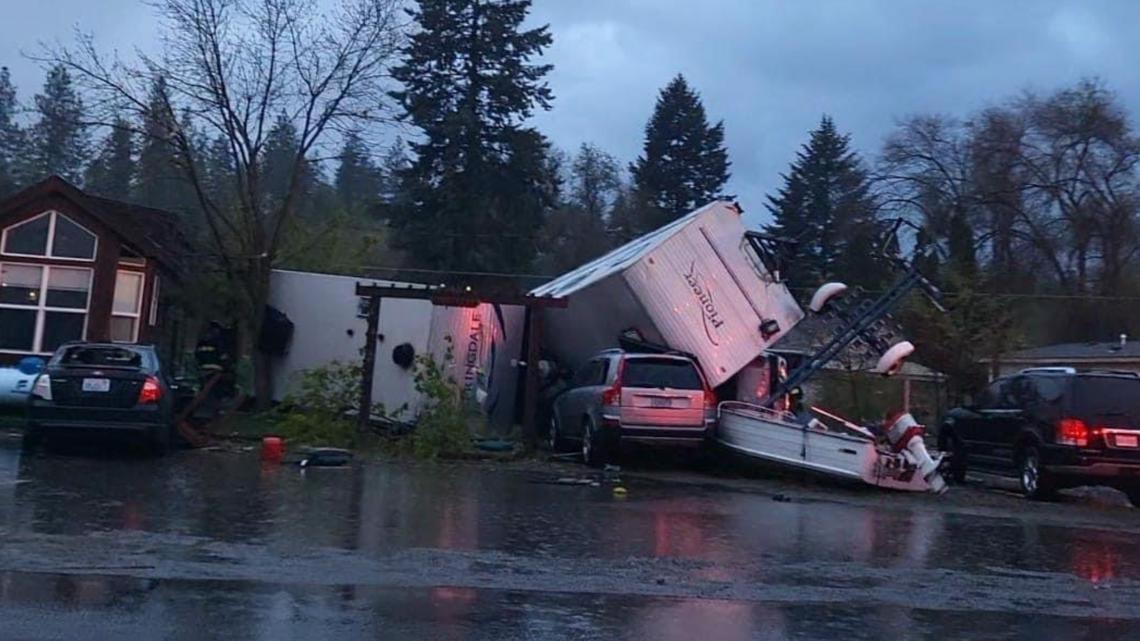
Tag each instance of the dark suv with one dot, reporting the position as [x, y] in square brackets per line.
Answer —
[1053, 428]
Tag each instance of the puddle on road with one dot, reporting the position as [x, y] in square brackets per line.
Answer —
[380, 508]
[42, 606]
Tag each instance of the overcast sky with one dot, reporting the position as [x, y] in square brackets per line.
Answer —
[768, 68]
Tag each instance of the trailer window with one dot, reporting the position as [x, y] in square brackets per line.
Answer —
[661, 373]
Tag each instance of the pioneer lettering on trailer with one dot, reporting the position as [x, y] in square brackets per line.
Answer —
[709, 314]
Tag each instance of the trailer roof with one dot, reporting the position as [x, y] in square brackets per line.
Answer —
[618, 259]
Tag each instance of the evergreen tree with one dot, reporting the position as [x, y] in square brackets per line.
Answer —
[59, 137]
[358, 181]
[218, 166]
[111, 172]
[575, 233]
[11, 137]
[158, 179]
[277, 160]
[392, 169]
[623, 222]
[480, 185]
[684, 164]
[826, 208]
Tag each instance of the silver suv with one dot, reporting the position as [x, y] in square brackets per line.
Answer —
[622, 396]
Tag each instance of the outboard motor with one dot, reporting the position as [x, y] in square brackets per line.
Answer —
[905, 435]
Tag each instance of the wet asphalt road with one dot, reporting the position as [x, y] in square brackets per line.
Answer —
[207, 545]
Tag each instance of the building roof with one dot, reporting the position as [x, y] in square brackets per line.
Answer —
[1063, 353]
[618, 259]
[154, 233]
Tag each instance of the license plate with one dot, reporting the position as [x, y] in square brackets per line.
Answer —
[1126, 440]
[660, 402]
[96, 385]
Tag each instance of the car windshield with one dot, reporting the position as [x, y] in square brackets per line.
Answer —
[661, 373]
[108, 356]
[1106, 396]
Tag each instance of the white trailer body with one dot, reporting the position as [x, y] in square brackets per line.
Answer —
[330, 325]
[694, 285]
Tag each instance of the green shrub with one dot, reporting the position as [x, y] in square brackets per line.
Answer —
[317, 412]
[442, 426]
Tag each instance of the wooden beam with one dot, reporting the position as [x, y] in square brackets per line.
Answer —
[456, 297]
[364, 412]
[532, 383]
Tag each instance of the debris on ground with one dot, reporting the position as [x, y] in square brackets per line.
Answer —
[326, 457]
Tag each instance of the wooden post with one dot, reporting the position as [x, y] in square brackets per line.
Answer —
[365, 411]
[530, 390]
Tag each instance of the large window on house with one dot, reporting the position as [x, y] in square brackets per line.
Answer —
[49, 235]
[127, 308]
[42, 306]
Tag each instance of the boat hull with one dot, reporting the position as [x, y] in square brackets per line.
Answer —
[778, 438]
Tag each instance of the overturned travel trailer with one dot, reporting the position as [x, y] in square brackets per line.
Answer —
[695, 285]
[330, 320]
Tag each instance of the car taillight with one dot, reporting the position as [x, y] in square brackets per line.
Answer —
[710, 400]
[42, 388]
[1072, 431]
[612, 396]
[150, 392]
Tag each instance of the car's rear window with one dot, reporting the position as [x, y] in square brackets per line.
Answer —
[108, 356]
[661, 373]
[1096, 396]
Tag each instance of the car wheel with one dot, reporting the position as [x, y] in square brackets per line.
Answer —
[958, 464]
[1034, 483]
[554, 439]
[593, 451]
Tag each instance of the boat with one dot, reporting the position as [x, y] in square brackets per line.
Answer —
[832, 447]
[896, 457]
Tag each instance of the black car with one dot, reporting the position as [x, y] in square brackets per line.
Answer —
[1053, 428]
[97, 388]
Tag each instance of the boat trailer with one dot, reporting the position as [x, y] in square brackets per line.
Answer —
[893, 456]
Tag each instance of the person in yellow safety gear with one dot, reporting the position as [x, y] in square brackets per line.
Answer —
[215, 355]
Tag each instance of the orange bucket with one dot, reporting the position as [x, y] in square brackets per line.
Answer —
[272, 449]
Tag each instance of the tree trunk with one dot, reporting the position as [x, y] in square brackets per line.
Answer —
[258, 290]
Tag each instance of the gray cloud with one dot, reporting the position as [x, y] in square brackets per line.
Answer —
[768, 68]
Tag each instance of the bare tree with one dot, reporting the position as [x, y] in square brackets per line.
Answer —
[236, 67]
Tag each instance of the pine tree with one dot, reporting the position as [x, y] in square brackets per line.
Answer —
[111, 172]
[277, 160]
[480, 185]
[576, 232]
[11, 137]
[684, 164]
[358, 181]
[393, 167]
[59, 137]
[623, 222]
[826, 208]
[158, 179]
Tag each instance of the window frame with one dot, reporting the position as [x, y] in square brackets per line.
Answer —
[41, 308]
[49, 248]
[138, 314]
[152, 315]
